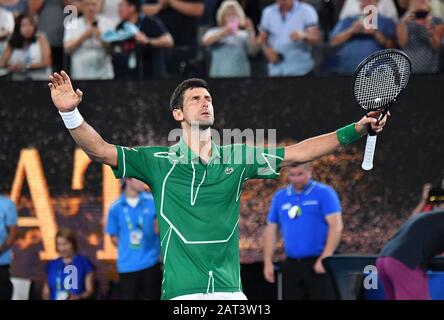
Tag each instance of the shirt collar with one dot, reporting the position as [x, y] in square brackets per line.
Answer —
[307, 189]
[182, 150]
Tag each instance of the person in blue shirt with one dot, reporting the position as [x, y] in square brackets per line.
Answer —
[133, 228]
[8, 233]
[308, 214]
[354, 42]
[71, 276]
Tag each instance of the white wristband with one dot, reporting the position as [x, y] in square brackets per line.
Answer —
[72, 119]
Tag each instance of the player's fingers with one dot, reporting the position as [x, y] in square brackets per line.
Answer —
[66, 78]
[79, 93]
[59, 79]
[53, 81]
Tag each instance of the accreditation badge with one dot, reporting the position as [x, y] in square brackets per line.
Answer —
[136, 237]
[294, 212]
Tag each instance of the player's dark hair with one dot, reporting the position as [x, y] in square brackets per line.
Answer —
[135, 3]
[176, 100]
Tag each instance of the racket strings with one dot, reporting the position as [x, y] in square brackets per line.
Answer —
[379, 81]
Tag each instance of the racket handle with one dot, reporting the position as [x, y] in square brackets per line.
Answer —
[367, 163]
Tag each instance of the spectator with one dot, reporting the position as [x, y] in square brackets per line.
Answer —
[49, 14]
[140, 55]
[181, 17]
[402, 263]
[229, 44]
[17, 7]
[419, 35]
[133, 228]
[355, 42]
[8, 233]
[386, 8]
[110, 10]
[428, 198]
[288, 29]
[60, 282]
[27, 55]
[89, 56]
[6, 28]
[308, 214]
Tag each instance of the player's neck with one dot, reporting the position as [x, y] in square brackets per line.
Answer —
[199, 141]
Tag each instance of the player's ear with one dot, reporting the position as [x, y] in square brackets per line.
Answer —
[178, 114]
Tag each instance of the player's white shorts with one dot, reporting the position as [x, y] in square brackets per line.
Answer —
[213, 296]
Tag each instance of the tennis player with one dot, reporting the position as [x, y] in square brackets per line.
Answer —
[196, 184]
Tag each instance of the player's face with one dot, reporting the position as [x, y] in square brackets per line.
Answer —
[299, 177]
[64, 247]
[198, 108]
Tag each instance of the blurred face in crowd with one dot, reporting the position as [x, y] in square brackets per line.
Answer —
[125, 10]
[299, 176]
[64, 247]
[90, 8]
[420, 5]
[285, 5]
[365, 3]
[135, 185]
[230, 15]
[27, 28]
[197, 108]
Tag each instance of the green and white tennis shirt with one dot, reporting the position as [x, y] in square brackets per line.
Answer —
[198, 209]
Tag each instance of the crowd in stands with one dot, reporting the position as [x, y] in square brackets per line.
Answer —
[154, 39]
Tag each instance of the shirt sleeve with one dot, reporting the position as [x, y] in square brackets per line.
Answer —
[11, 215]
[265, 23]
[273, 212]
[330, 202]
[311, 18]
[341, 26]
[140, 163]
[112, 225]
[263, 163]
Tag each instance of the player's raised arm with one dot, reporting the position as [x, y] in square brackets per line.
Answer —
[66, 101]
[316, 147]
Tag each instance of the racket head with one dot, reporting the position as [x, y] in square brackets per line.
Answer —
[380, 78]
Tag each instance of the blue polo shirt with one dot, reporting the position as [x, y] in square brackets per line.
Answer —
[130, 258]
[8, 218]
[302, 217]
[297, 57]
[56, 272]
[357, 48]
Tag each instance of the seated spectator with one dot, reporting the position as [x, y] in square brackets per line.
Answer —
[229, 44]
[17, 7]
[181, 18]
[55, 287]
[27, 54]
[355, 42]
[89, 56]
[419, 35]
[429, 197]
[139, 54]
[288, 29]
[386, 8]
[6, 28]
[49, 14]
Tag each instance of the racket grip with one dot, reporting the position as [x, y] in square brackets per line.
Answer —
[367, 163]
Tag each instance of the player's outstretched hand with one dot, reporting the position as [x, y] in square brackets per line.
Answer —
[62, 93]
[372, 120]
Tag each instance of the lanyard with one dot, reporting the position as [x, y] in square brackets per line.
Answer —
[128, 220]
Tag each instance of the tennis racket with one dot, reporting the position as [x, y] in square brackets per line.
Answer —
[377, 83]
